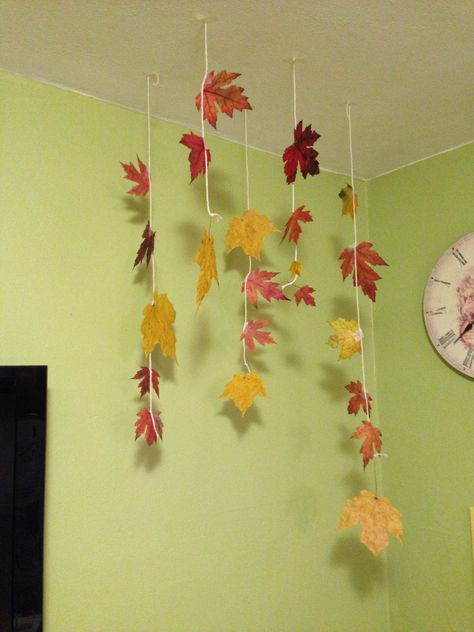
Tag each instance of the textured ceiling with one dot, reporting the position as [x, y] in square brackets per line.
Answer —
[406, 66]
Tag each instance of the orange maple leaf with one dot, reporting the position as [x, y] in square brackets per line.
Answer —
[364, 257]
[248, 231]
[218, 90]
[350, 202]
[376, 517]
[142, 177]
[206, 260]
[359, 398]
[243, 389]
[371, 440]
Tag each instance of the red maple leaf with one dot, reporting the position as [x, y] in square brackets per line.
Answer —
[149, 423]
[292, 225]
[142, 177]
[197, 158]
[146, 247]
[251, 333]
[218, 92]
[144, 376]
[359, 398]
[304, 294]
[301, 153]
[258, 281]
[371, 440]
[366, 257]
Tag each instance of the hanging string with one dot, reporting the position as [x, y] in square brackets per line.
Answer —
[203, 133]
[295, 258]
[356, 282]
[247, 183]
[152, 78]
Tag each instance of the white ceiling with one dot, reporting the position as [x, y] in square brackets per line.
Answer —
[406, 66]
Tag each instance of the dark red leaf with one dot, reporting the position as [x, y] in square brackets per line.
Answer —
[149, 424]
[144, 376]
[301, 154]
[146, 247]
[258, 281]
[305, 294]
[359, 398]
[371, 440]
[292, 225]
[197, 157]
[142, 177]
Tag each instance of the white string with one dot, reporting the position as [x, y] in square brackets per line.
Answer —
[354, 223]
[206, 177]
[247, 182]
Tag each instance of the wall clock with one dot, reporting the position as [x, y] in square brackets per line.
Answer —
[448, 305]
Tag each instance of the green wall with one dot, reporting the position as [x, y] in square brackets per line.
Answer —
[230, 523]
[426, 408]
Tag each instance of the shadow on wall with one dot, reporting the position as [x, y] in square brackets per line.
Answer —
[241, 424]
[364, 570]
[148, 457]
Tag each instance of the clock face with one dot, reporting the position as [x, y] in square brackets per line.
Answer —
[448, 305]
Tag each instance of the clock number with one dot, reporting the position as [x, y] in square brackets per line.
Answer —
[440, 281]
[468, 360]
[459, 256]
[438, 311]
[447, 339]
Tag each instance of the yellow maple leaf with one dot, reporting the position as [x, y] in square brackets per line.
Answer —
[296, 268]
[206, 259]
[376, 517]
[157, 326]
[350, 202]
[347, 337]
[243, 389]
[248, 231]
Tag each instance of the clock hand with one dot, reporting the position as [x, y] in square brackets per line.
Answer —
[466, 329]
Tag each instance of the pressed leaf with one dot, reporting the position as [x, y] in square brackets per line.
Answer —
[197, 157]
[305, 294]
[371, 441]
[219, 92]
[146, 247]
[146, 376]
[292, 226]
[366, 276]
[248, 231]
[140, 176]
[259, 281]
[206, 260]
[296, 268]
[350, 202]
[347, 337]
[243, 389]
[149, 424]
[301, 154]
[359, 398]
[252, 333]
[377, 519]
[157, 326]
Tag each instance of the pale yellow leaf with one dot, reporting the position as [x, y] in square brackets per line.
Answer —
[350, 202]
[347, 337]
[296, 268]
[157, 326]
[248, 231]
[377, 519]
[206, 259]
[243, 389]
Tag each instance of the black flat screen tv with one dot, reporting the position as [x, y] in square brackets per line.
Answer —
[22, 467]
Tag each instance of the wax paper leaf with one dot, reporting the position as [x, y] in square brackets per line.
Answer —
[197, 158]
[146, 247]
[376, 517]
[252, 333]
[347, 337]
[220, 92]
[366, 276]
[248, 231]
[142, 177]
[292, 226]
[258, 281]
[243, 389]
[144, 376]
[350, 202]
[371, 441]
[301, 154]
[359, 398]
[305, 294]
[296, 268]
[157, 326]
[149, 424]
[206, 260]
